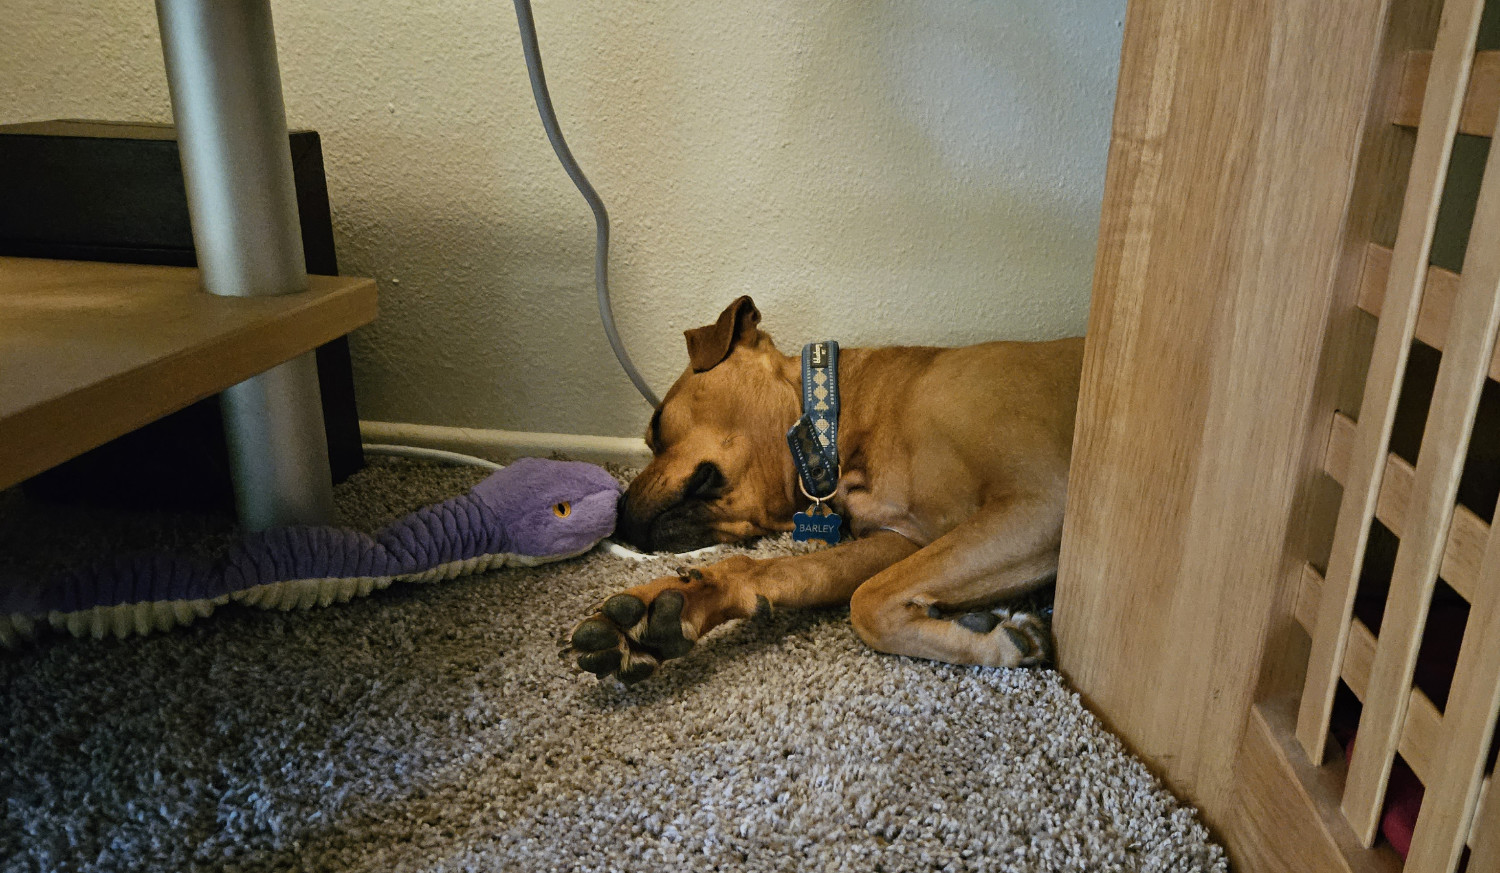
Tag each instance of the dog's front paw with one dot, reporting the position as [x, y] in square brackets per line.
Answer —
[633, 633]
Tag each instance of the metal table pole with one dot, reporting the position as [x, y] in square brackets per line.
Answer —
[236, 160]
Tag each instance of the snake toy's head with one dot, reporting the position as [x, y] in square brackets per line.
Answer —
[552, 509]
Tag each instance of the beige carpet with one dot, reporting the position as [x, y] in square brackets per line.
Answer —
[436, 728]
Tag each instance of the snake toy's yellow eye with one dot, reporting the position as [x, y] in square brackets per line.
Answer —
[563, 510]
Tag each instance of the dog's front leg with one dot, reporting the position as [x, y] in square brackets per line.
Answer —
[637, 629]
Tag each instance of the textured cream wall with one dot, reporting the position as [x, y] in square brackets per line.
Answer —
[873, 172]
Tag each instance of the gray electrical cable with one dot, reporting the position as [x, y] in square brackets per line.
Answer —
[601, 218]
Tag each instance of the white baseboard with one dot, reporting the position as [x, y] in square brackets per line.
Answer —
[503, 446]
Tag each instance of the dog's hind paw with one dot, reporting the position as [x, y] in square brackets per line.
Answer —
[628, 638]
[1032, 638]
[1028, 633]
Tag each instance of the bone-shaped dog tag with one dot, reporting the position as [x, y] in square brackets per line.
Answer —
[817, 523]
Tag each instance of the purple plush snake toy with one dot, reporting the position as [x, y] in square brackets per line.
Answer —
[528, 513]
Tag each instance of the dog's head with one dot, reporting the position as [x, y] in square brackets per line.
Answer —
[720, 470]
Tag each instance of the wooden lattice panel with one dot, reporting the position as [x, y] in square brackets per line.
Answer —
[1481, 101]
[1445, 91]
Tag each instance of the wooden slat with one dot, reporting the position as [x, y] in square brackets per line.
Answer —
[1480, 102]
[1437, 298]
[1486, 839]
[1484, 798]
[1309, 591]
[1358, 656]
[1466, 535]
[1421, 737]
[91, 351]
[1449, 74]
[1474, 699]
[1340, 446]
[1452, 796]
[1464, 552]
[1470, 346]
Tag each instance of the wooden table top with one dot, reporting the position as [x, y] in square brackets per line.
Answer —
[90, 351]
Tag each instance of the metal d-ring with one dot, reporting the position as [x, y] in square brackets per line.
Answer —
[819, 501]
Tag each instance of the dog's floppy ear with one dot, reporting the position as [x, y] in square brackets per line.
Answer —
[709, 345]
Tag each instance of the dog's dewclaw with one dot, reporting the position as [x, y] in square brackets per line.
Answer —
[625, 610]
[980, 622]
[594, 635]
[601, 664]
[664, 627]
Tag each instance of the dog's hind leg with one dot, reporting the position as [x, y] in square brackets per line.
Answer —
[935, 603]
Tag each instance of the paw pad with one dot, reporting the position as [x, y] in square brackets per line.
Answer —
[979, 622]
[1032, 636]
[639, 668]
[664, 627]
[595, 634]
[600, 663]
[629, 639]
[624, 610]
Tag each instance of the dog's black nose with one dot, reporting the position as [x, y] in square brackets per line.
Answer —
[629, 529]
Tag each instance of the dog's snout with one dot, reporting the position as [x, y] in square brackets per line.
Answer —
[653, 518]
[631, 529]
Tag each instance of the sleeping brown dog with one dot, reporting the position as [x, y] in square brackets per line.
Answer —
[952, 473]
